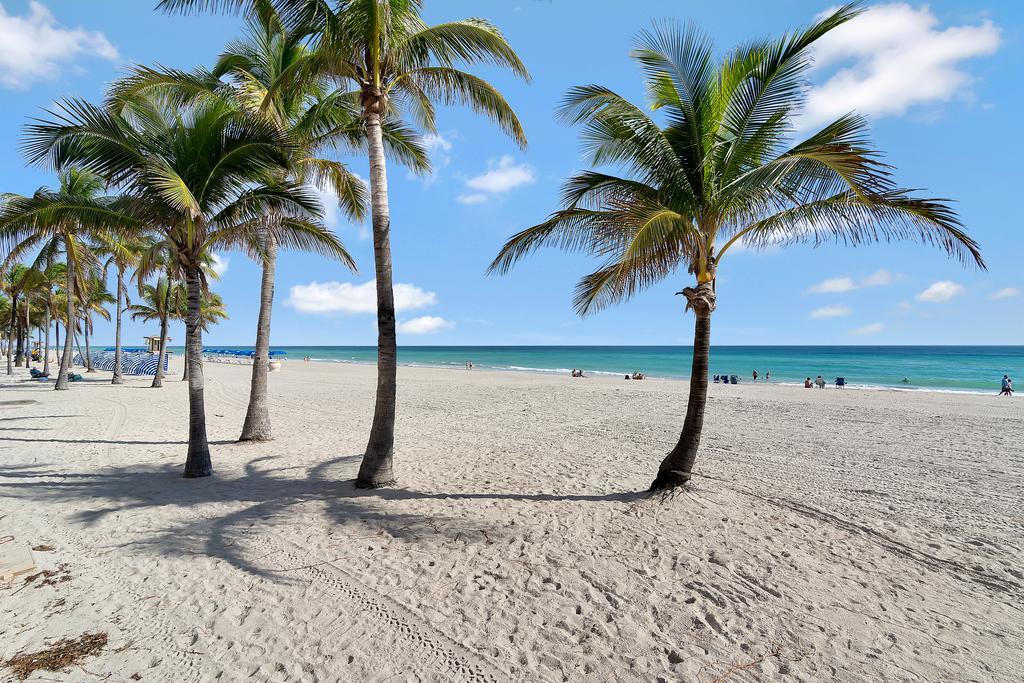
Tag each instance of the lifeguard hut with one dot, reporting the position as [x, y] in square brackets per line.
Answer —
[153, 344]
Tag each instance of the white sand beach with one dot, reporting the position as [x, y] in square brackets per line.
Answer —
[830, 535]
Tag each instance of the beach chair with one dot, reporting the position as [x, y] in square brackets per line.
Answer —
[840, 381]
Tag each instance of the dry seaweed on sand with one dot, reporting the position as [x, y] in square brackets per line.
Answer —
[43, 548]
[58, 656]
[51, 577]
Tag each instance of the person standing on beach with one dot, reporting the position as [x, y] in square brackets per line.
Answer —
[755, 375]
[768, 376]
[1007, 389]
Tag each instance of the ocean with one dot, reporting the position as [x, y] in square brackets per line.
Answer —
[935, 368]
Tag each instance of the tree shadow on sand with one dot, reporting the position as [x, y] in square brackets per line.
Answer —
[228, 508]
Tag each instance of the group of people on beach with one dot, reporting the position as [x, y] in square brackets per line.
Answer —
[1007, 388]
[819, 382]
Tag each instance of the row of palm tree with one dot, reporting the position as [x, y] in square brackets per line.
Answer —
[223, 158]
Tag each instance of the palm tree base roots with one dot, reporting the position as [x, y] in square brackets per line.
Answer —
[362, 484]
[117, 380]
[669, 479]
[255, 437]
[197, 470]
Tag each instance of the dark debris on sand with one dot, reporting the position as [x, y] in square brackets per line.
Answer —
[58, 656]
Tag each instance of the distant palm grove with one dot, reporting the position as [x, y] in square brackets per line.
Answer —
[177, 164]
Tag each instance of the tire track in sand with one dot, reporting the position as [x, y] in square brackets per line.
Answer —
[385, 619]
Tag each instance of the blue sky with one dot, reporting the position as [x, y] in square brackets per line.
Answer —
[937, 80]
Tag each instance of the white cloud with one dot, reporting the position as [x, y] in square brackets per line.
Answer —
[943, 290]
[424, 325]
[836, 285]
[879, 278]
[502, 175]
[873, 328]
[472, 198]
[33, 47]
[1005, 293]
[435, 142]
[830, 312]
[345, 297]
[220, 264]
[891, 58]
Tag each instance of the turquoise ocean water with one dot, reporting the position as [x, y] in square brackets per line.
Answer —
[963, 368]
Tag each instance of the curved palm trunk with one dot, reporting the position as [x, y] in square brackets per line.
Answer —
[46, 342]
[197, 464]
[19, 352]
[87, 324]
[184, 371]
[10, 334]
[158, 378]
[118, 376]
[676, 468]
[69, 325]
[376, 469]
[257, 417]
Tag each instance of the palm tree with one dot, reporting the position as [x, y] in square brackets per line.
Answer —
[395, 61]
[62, 220]
[122, 254]
[93, 299]
[204, 177]
[54, 275]
[722, 168]
[13, 277]
[261, 73]
[154, 304]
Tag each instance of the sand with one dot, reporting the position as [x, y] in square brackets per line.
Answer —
[830, 535]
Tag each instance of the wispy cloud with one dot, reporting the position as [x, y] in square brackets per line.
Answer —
[836, 285]
[501, 176]
[873, 328]
[346, 297]
[940, 291]
[831, 312]
[1005, 293]
[424, 325]
[34, 47]
[839, 285]
[894, 57]
[220, 264]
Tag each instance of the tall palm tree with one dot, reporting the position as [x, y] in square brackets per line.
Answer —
[93, 299]
[203, 176]
[722, 168]
[54, 275]
[154, 303]
[63, 220]
[396, 62]
[259, 75]
[122, 254]
[13, 279]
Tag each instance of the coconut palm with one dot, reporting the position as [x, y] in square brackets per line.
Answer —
[722, 168]
[258, 75]
[203, 176]
[397, 63]
[54, 275]
[13, 283]
[122, 254]
[93, 299]
[154, 303]
[52, 222]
